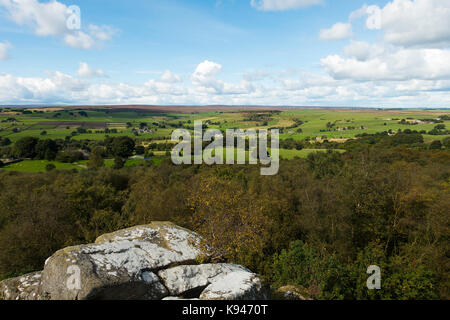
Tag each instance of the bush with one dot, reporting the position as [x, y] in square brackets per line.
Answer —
[318, 271]
[140, 150]
[50, 167]
[436, 145]
[119, 163]
[69, 156]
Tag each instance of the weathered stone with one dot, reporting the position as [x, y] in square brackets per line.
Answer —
[155, 261]
[119, 265]
[239, 285]
[26, 287]
[182, 279]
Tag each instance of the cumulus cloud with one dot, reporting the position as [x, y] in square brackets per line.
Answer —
[413, 57]
[79, 40]
[169, 77]
[205, 80]
[50, 19]
[4, 47]
[85, 71]
[281, 5]
[339, 31]
[402, 64]
[362, 51]
[205, 75]
[286, 87]
[303, 89]
[410, 22]
[103, 33]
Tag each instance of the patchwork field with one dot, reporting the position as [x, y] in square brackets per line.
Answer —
[154, 126]
[337, 124]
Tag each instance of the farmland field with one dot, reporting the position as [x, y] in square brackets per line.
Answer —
[154, 125]
[345, 123]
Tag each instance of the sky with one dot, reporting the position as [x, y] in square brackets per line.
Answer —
[234, 52]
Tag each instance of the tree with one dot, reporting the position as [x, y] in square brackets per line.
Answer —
[122, 147]
[69, 156]
[119, 163]
[323, 164]
[314, 268]
[46, 149]
[96, 159]
[225, 214]
[26, 147]
[5, 142]
[140, 150]
[436, 145]
[447, 142]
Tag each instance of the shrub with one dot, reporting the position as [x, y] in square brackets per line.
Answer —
[50, 167]
[315, 269]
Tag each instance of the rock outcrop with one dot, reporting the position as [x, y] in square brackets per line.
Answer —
[26, 287]
[155, 261]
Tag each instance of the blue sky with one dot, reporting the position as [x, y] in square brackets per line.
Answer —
[274, 52]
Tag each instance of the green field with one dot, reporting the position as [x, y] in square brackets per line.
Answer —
[314, 123]
[148, 126]
[40, 165]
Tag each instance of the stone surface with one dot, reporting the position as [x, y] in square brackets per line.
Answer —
[119, 265]
[239, 285]
[155, 261]
[25, 287]
[182, 279]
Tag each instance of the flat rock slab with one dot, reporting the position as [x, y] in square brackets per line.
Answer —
[181, 279]
[240, 285]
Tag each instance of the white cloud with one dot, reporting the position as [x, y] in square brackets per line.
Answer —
[256, 75]
[207, 69]
[104, 33]
[413, 57]
[286, 87]
[79, 40]
[411, 22]
[169, 77]
[206, 82]
[50, 19]
[205, 75]
[4, 54]
[85, 71]
[362, 51]
[281, 5]
[395, 64]
[339, 31]
[47, 19]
